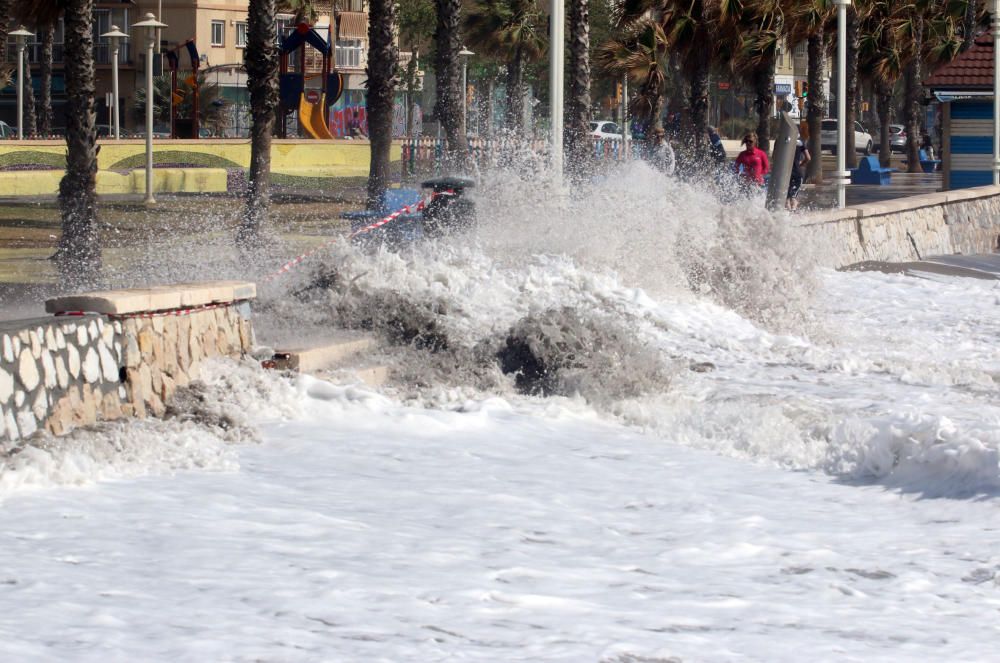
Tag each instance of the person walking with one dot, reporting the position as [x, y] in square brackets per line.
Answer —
[799, 163]
[662, 154]
[716, 149]
[752, 164]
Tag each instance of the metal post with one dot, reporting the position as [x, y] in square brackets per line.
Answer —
[556, 86]
[996, 92]
[21, 35]
[115, 36]
[842, 174]
[782, 160]
[464, 54]
[625, 136]
[151, 25]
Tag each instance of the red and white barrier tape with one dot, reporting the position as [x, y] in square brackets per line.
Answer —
[409, 209]
[151, 314]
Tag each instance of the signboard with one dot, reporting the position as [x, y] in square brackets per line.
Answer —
[723, 85]
[312, 96]
[783, 88]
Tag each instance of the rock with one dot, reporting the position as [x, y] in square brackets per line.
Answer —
[91, 366]
[117, 327]
[27, 423]
[8, 350]
[702, 366]
[107, 334]
[6, 386]
[73, 357]
[50, 338]
[81, 336]
[60, 339]
[62, 376]
[146, 342]
[158, 324]
[41, 405]
[19, 397]
[36, 343]
[109, 367]
[27, 370]
[132, 354]
[145, 382]
[11, 425]
[48, 369]
[93, 329]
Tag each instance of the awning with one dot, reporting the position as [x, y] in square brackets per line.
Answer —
[958, 95]
[352, 25]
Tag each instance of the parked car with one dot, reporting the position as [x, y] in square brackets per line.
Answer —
[897, 139]
[7, 131]
[605, 129]
[107, 131]
[863, 141]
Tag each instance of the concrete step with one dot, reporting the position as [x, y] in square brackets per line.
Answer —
[374, 375]
[334, 351]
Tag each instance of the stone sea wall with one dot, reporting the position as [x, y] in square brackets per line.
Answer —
[965, 221]
[115, 354]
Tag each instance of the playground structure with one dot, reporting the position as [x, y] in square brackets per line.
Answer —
[312, 104]
[184, 128]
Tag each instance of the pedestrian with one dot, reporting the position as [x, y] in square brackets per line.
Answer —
[716, 149]
[662, 154]
[354, 129]
[799, 163]
[927, 146]
[752, 164]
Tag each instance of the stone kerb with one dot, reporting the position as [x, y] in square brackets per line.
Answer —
[106, 355]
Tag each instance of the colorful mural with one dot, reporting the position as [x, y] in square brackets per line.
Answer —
[353, 101]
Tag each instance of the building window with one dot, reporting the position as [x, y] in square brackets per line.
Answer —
[218, 33]
[350, 53]
[241, 35]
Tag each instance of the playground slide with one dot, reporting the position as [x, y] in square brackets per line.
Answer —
[312, 117]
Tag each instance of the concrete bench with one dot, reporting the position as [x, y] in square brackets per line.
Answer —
[870, 172]
[928, 165]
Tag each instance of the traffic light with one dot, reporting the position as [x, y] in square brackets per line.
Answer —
[618, 93]
[805, 89]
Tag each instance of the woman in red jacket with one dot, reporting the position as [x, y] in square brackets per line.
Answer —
[752, 164]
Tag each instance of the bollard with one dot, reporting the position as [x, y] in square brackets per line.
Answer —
[782, 159]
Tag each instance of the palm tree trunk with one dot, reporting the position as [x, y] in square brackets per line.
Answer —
[884, 93]
[45, 103]
[379, 90]
[699, 103]
[515, 93]
[5, 11]
[30, 128]
[852, 85]
[79, 253]
[578, 106]
[450, 96]
[763, 102]
[411, 90]
[816, 104]
[911, 105]
[488, 105]
[262, 82]
[969, 24]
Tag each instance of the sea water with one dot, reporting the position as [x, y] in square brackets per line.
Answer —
[705, 447]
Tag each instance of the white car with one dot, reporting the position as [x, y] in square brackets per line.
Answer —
[828, 137]
[605, 129]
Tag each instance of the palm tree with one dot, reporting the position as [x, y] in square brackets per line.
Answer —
[879, 56]
[30, 128]
[383, 59]
[78, 255]
[450, 96]
[578, 106]
[512, 30]
[303, 11]
[642, 56]
[162, 93]
[262, 81]
[48, 33]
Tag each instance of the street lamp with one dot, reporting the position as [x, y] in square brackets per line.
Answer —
[996, 92]
[115, 36]
[151, 25]
[557, 20]
[22, 40]
[842, 173]
[464, 54]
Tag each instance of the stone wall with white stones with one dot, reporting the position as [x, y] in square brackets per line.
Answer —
[107, 355]
[965, 221]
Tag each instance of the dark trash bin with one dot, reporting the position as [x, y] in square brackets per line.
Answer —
[451, 208]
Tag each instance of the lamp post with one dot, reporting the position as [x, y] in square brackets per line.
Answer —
[21, 35]
[151, 25]
[115, 36]
[842, 173]
[996, 92]
[464, 54]
[558, 20]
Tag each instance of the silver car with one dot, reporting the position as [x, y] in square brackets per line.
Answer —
[828, 137]
[897, 139]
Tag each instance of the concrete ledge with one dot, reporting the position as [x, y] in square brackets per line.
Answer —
[830, 216]
[158, 298]
[165, 180]
[323, 354]
[973, 193]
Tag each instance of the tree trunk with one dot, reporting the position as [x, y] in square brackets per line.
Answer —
[852, 86]
[578, 106]
[816, 105]
[488, 101]
[763, 102]
[411, 90]
[30, 126]
[45, 102]
[911, 106]
[884, 92]
[969, 24]
[379, 91]
[450, 96]
[6, 12]
[79, 254]
[262, 82]
[515, 93]
[699, 104]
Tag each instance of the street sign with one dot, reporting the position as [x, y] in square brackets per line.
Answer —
[783, 88]
[723, 85]
[312, 96]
